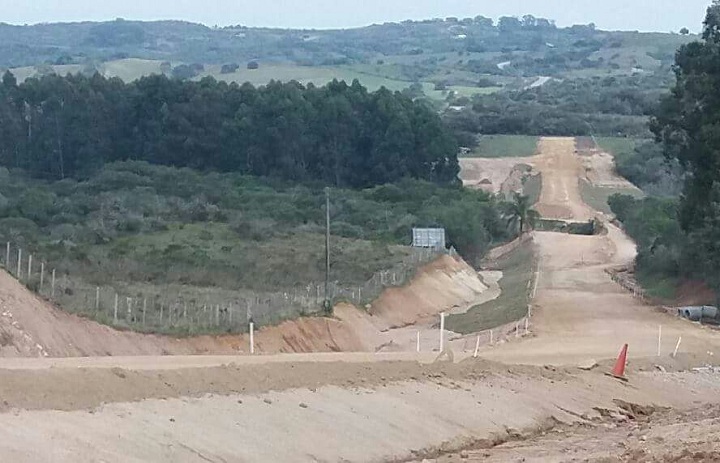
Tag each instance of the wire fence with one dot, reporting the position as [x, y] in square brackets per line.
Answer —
[178, 309]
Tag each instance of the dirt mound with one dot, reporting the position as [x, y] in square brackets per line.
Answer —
[438, 287]
[32, 327]
[495, 175]
[695, 293]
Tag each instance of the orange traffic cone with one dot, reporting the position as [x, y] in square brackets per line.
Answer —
[619, 370]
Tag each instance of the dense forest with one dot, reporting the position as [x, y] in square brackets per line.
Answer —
[608, 106]
[339, 134]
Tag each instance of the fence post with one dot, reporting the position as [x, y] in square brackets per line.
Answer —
[442, 332]
[162, 309]
[19, 263]
[52, 293]
[477, 347]
[97, 298]
[491, 337]
[29, 272]
[42, 275]
[115, 319]
[418, 342]
[129, 302]
[252, 338]
[7, 257]
[677, 347]
[217, 315]
[144, 309]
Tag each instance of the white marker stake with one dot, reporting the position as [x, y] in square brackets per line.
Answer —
[477, 347]
[491, 337]
[29, 267]
[19, 266]
[418, 342]
[42, 275]
[7, 256]
[659, 339]
[252, 338]
[677, 346]
[442, 331]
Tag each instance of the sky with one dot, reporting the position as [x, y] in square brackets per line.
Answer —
[642, 15]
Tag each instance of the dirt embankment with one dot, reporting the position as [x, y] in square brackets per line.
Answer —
[31, 327]
[380, 411]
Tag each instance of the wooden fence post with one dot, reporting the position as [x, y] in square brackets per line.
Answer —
[7, 256]
[52, 293]
[42, 275]
[29, 272]
[115, 319]
[129, 303]
[19, 263]
[97, 298]
[144, 309]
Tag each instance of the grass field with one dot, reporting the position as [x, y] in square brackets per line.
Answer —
[505, 146]
[512, 304]
[597, 197]
[617, 145]
[665, 289]
[132, 69]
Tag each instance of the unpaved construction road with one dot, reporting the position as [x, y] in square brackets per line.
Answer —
[395, 406]
[579, 313]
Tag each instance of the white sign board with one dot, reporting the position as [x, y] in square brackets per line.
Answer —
[429, 238]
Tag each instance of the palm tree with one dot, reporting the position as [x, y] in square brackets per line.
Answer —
[520, 214]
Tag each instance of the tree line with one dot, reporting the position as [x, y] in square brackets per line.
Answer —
[338, 134]
[678, 236]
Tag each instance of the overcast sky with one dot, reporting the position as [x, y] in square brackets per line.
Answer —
[643, 15]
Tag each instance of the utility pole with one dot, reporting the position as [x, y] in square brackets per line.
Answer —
[327, 304]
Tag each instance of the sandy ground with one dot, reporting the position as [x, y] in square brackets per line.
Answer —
[599, 169]
[382, 411]
[493, 174]
[579, 313]
[560, 169]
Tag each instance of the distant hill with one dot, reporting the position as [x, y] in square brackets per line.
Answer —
[472, 53]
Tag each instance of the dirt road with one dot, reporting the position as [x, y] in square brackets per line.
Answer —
[579, 312]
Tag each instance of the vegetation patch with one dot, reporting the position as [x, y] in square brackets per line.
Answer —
[618, 146]
[518, 267]
[598, 197]
[504, 146]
